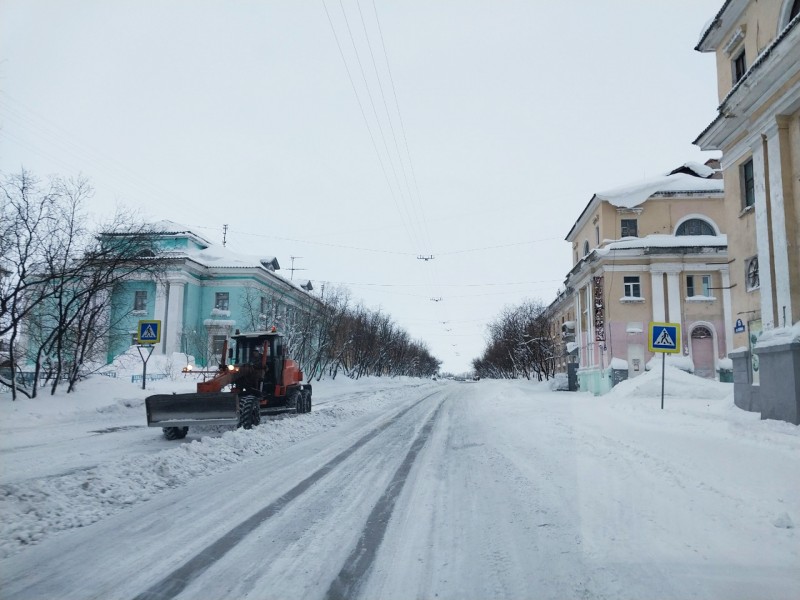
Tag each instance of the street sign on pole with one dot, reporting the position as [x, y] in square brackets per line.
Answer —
[664, 338]
[148, 332]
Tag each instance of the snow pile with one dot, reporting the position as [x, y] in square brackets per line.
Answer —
[677, 384]
[559, 382]
[619, 364]
[677, 361]
[32, 507]
[779, 336]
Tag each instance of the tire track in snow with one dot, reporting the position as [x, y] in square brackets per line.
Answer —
[176, 581]
[357, 566]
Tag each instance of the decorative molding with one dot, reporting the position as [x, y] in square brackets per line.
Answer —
[735, 39]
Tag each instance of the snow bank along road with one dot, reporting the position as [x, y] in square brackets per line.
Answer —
[450, 490]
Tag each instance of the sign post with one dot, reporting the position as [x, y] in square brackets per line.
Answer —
[148, 333]
[664, 338]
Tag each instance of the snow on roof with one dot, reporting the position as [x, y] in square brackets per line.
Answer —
[220, 256]
[661, 240]
[165, 226]
[632, 195]
[690, 178]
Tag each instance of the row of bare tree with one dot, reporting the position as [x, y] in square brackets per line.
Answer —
[56, 278]
[341, 337]
[520, 344]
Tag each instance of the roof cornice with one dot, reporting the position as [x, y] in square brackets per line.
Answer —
[723, 21]
[777, 64]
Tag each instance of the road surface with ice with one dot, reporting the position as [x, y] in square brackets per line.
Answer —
[410, 490]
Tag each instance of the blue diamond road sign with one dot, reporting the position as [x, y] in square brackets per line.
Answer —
[664, 337]
[149, 332]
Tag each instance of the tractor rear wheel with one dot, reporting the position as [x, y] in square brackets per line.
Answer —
[249, 412]
[307, 401]
[175, 433]
[296, 399]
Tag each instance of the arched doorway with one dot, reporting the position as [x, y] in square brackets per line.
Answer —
[703, 352]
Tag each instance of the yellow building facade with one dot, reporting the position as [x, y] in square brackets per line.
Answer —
[655, 250]
[757, 129]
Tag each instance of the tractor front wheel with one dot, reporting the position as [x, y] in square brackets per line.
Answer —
[249, 412]
[175, 433]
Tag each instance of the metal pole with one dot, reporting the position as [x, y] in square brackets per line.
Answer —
[144, 362]
[663, 367]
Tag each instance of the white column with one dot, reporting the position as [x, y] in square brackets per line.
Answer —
[160, 313]
[727, 311]
[657, 287]
[174, 323]
[762, 237]
[780, 243]
[674, 297]
[579, 329]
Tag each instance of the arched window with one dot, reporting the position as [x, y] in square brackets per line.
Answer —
[701, 332]
[586, 248]
[146, 253]
[695, 227]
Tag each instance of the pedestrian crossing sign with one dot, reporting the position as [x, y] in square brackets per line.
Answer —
[149, 332]
[664, 337]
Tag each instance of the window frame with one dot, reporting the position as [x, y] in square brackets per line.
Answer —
[705, 285]
[222, 300]
[631, 288]
[140, 300]
[748, 275]
[748, 184]
[695, 223]
[625, 225]
[738, 66]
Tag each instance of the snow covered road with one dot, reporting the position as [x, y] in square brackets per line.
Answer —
[450, 490]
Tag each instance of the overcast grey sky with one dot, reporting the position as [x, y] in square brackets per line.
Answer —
[511, 115]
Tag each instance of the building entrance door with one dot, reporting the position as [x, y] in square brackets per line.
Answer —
[703, 352]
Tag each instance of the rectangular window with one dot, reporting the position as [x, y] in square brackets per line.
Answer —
[633, 289]
[629, 228]
[264, 305]
[739, 66]
[698, 285]
[221, 302]
[140, 300]
[217, 348]
[748, 184]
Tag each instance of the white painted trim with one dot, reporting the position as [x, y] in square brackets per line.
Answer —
[674, 304]
[762, 238]
[780, 239]
[727, 311]
[657, 290]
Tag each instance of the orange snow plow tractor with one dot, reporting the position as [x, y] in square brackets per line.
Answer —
[260, 378]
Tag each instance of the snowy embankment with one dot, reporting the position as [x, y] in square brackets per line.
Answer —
[73, 459]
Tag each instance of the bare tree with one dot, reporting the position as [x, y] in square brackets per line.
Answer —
[58, 273]
[519, 344]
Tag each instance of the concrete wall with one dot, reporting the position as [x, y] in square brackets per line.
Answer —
[780, 382]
